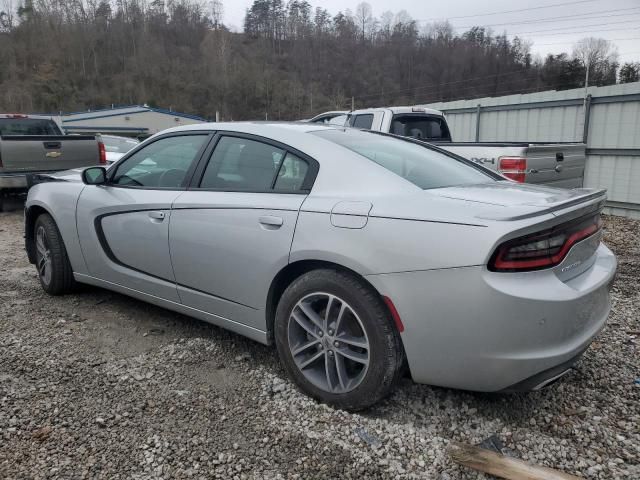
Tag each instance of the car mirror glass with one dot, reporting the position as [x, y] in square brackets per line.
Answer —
[94, 176]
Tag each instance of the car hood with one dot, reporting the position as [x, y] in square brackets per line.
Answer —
[476, 204]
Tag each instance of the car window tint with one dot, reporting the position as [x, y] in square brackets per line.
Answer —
[242, 164]
[28, 126]
[363, 121]
[421, 165]
[292, 173]
[161, 164]
[421, 127]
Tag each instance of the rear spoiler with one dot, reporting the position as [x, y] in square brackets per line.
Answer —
[587, 199]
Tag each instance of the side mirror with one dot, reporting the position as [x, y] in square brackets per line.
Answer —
[94, 176]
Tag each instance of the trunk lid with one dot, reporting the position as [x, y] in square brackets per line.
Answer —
[25, 153]
[481, 204]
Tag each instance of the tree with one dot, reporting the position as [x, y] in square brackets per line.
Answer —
[364, 18]
[630, 72]
[600, 59]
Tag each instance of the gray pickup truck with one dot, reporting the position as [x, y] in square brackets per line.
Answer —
[554, 164]
[31, 144]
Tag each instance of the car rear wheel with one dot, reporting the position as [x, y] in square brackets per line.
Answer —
[52, 262]
[336, 339]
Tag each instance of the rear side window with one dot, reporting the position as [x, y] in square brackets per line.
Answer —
[419, 164]
[242, 164]
[292, 173]
[28, 126]
[362, 121]
[421, 127]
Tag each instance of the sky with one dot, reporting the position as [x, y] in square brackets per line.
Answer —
[552, 25]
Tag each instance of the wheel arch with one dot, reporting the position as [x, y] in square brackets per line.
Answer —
[288, 274]
[31, 214]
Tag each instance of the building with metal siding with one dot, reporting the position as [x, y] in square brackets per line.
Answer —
[610, 128]
[133, 121]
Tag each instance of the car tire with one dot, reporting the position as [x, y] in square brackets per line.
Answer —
[358, 315]
[52, 263]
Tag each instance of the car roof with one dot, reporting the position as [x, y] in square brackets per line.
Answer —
[401, 110]
[256, 127]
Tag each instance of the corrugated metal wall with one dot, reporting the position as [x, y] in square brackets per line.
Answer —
[613, 140]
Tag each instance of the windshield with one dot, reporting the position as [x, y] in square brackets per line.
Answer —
[421, 165]
[118, 144]
[28, 126]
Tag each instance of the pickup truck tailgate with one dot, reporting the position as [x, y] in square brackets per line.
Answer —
[556, 165]
[22, 153]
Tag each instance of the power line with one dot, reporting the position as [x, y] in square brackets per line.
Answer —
[608, 39]
[560, 18]
[542, 7]
[578, 26]
[390, 92]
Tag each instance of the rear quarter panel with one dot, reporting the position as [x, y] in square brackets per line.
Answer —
[390, 245]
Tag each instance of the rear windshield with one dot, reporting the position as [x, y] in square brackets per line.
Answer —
[28, 126]
[421, 165]
[421, 127]
[118, 144]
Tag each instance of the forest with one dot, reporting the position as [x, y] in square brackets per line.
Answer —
[291, 60]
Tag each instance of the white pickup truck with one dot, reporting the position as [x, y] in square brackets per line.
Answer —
[554, 164]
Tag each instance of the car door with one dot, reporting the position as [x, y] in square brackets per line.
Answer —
[123, 225]
[232, 231]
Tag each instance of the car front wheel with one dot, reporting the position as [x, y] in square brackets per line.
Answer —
[336, 339]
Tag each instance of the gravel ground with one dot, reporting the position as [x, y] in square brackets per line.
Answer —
[98, 385]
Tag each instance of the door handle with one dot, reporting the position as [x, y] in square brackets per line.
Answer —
[271, 221]
[156, 216]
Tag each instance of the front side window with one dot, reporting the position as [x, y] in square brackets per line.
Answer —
[161, 164]
[241, 164]
[421, 165]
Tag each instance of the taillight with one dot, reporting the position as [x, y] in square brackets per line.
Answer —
[102, 153]
[514, 168]
[544, 249]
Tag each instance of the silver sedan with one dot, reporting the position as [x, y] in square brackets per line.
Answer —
[359, 255]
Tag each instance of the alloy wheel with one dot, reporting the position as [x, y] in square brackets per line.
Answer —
[328, 342]
[43, 255]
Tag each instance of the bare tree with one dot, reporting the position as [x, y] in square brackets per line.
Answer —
[596, 55]
[364, 18]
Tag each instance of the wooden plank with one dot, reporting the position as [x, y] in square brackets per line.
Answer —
[503, 467]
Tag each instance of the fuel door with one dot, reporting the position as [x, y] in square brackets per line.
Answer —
[350, 214]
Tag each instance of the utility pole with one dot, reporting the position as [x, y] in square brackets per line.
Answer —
[586, 83]
[353, 104]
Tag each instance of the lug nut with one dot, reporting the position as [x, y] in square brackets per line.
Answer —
[336, 344]
[320, 333]
[330, 332]
[330, 353]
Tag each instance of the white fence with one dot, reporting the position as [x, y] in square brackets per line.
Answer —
[609, 125]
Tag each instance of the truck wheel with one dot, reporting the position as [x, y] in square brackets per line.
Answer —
[52, 262]
[336, 339]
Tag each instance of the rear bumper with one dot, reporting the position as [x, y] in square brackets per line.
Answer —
[472, 329]
[13, 180]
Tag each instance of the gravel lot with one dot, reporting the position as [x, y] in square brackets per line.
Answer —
[98, 385]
